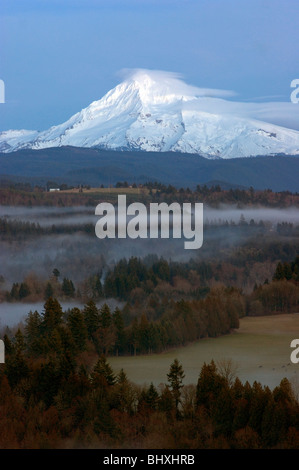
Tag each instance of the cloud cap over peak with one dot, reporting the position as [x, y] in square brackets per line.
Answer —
[171, 82]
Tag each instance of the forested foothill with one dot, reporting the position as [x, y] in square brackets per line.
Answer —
[53, 401]
[25, 194]
[57, 388]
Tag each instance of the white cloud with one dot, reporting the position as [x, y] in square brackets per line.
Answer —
[174, 81]
[217, 101]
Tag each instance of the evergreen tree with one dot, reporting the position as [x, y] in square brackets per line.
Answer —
[287, 271]
[56, 273]
[105, 316]
[143, 334]
[152, 397]
[91, 318]
[209, 385]
[49, 291]
[259, 400]
[167, 403]
[14, 293]
[134, 330]
[77, 327]
[24, 290]
[33, 332]
[118, 323]
[52, 315]
[279, 272]
[223, 412]
[8, 345]
[124, 393]
[103, 369]
[68, 287]
[16, 368]
[46, 382]
[175, 378]
[19, 341]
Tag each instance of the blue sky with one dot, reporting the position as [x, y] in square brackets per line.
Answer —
[56, 56]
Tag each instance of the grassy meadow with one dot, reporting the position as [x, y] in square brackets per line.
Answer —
[260, 350]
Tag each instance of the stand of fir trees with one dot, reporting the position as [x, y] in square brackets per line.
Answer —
[53, 401]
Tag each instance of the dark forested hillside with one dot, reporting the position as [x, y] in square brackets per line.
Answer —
[90, 166]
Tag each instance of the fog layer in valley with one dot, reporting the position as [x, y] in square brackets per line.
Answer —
[13, 313]
[78, 255]
[47, 216]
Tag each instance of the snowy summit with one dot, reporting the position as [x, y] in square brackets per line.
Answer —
[157, 111]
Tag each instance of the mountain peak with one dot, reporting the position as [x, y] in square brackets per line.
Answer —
[158, 87]
[157, 111]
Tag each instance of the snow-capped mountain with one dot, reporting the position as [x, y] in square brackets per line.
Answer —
[154, 111]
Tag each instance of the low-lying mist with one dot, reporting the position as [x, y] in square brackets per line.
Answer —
[234, 213]
[13, 313]
[78, 255]
[46, 216]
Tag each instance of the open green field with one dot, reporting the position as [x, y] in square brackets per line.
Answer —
[260, 348]
[104, 191]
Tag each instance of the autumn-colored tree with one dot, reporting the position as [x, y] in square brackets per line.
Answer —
[16, 368]
[223, 412]
[209, 385]
[167, 403]
[125, 398]
[260, 398]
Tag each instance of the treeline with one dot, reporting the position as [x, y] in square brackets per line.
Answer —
[147, 284]
[279, 296]
[178, 323]
[32, 288]
[21, 230]
[59, 403]
[152, 324]
[155, 323]
[37, 197]
[14, 229]
[124, 332]
[287, 270]
[213, 195]
[275, 297]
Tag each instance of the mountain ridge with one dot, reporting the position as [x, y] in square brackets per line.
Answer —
[75, 166]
